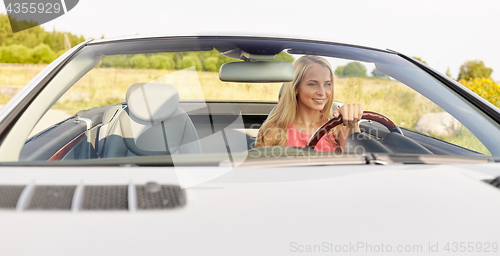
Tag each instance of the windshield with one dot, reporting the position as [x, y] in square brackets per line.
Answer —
[163, 101]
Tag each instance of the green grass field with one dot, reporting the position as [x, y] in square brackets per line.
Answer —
[104, 86]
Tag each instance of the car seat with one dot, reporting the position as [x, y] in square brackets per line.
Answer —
[151, 123]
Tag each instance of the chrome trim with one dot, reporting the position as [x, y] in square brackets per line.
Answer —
[132, 198]
[31, 85]
[399, 129]
[86, 120]
[25, 197]
[378, 162]
[76, 203]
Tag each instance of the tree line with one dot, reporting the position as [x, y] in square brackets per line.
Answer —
[474, 75]
[477, 77]
[356, 69]
[469, 70]
[206, 60]
[34, 45]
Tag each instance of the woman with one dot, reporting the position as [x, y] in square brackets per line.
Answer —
[306, 104]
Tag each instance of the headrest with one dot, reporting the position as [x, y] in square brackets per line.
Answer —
[151, 102]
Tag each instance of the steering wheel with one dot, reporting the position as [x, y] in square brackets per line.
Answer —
[368, 115]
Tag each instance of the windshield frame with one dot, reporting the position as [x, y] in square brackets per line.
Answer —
[489, 115]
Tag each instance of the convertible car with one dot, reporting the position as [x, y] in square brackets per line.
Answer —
[158, 155]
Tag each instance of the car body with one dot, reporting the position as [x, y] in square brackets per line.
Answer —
[123, 178]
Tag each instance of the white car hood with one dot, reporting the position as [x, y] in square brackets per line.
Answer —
[269, 211]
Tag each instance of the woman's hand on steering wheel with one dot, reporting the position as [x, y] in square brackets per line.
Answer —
[332, 123]
[351, 113]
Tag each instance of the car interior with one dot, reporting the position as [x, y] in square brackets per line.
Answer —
[190, 127]
[154, 121]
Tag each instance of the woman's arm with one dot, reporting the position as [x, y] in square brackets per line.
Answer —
[351, 114]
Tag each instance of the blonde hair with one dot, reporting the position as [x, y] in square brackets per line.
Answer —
[287, 107]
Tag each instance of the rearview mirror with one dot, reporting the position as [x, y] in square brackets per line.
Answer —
[256, 72]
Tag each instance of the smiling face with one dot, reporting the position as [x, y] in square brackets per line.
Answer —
[315, 88]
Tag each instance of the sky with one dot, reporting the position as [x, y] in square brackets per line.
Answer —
[443, 33]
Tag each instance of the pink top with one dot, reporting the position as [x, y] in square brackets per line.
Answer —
[298, 139]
